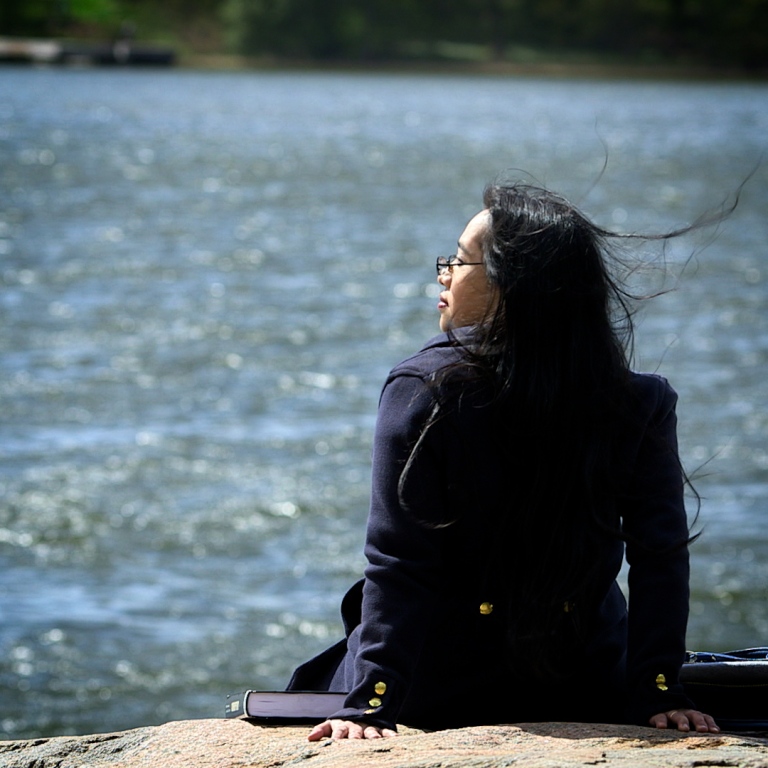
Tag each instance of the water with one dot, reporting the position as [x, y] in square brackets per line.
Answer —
[206, 277]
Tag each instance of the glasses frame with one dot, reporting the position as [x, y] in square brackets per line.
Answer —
[444, 265]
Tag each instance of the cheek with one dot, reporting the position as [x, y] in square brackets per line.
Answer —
[473, 299]
[479, 291]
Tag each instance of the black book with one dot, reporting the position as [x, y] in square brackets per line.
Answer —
[285, 707]
[732, 686]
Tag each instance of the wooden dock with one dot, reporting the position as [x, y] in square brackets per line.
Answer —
[121, 52]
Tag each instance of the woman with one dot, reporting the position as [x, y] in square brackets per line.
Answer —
[516, 457]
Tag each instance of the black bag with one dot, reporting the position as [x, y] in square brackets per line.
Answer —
[731, 686]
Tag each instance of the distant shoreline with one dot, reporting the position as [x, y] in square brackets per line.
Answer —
[67, 52]
[552, 68]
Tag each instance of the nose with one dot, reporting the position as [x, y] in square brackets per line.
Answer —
[444, 277]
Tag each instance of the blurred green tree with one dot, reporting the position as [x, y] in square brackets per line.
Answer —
[719, 32]
[51, 17]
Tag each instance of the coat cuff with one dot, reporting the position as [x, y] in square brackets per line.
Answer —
[374, 701]
[653, 696]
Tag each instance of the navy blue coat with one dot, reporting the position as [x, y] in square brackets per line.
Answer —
[426, 626]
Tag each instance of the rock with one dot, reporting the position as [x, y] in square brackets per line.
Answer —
[237, 744]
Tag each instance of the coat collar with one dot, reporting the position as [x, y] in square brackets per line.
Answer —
[457, 337]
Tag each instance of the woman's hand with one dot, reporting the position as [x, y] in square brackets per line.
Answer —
[684, 720]
[346, 729]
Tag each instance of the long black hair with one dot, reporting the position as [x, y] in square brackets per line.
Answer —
[561, 319]
[556, 347]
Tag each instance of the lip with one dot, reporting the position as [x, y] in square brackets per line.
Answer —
[442, 303]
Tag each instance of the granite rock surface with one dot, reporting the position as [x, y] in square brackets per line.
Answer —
[237, 744]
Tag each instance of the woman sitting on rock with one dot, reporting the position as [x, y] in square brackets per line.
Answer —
[516, 458]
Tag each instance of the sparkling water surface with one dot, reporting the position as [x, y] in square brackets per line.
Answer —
[205, 279]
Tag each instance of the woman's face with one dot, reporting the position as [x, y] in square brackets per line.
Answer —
[467, 294]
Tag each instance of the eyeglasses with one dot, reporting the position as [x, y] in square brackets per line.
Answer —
[445, 266]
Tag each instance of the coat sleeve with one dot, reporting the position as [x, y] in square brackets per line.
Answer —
[657, 534]
[401, 577]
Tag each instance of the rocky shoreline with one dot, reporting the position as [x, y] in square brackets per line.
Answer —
[236, 744]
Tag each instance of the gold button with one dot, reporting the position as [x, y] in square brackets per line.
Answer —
[661, 683]
[568, 606]
[380, 688]
[486, 608]
[374, 702]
